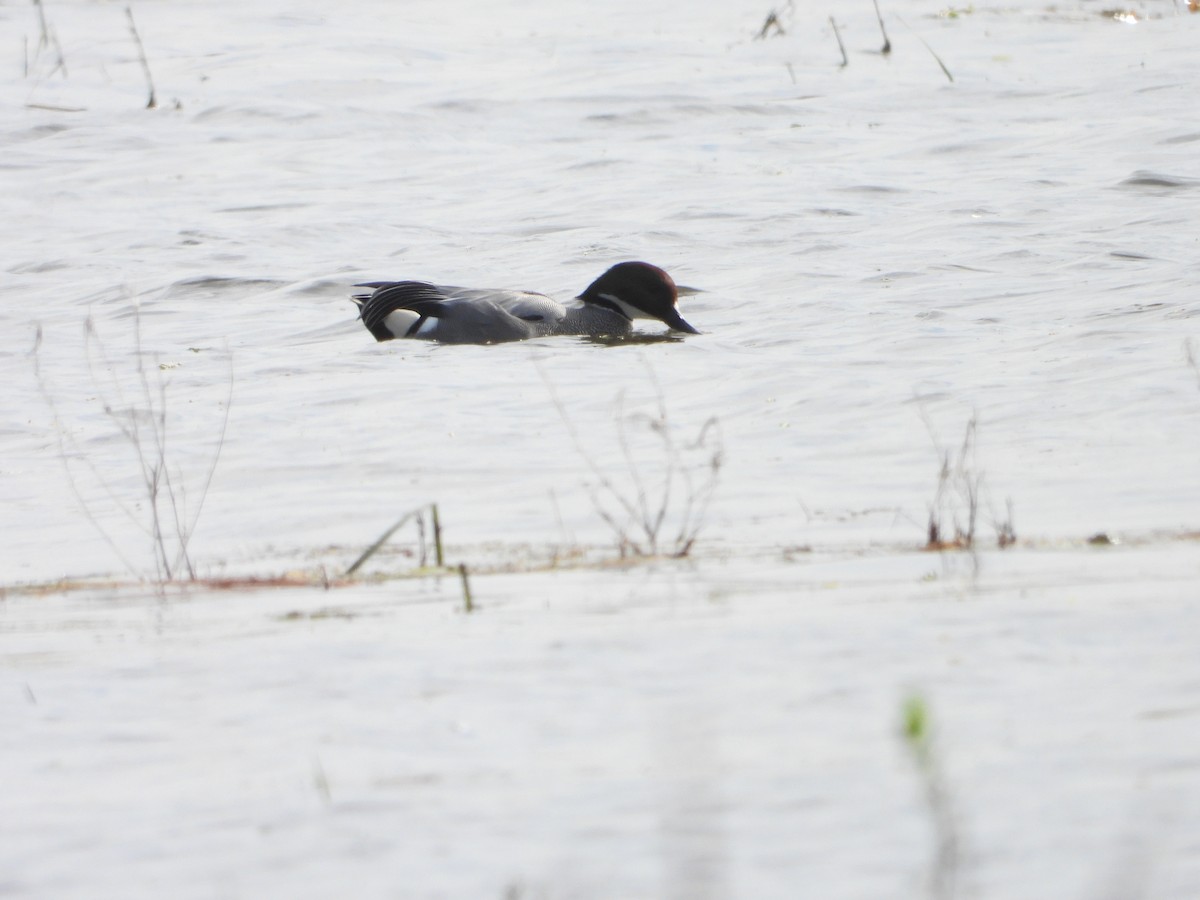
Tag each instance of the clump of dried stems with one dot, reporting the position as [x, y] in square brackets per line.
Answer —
[655, 502]
[955, 510]
[135, 405]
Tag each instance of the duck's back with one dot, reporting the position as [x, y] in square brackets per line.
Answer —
[538, 310]
[487, 317]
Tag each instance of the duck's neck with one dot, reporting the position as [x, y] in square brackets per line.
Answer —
[588, 318]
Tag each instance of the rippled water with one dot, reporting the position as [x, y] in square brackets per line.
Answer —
[880, 255]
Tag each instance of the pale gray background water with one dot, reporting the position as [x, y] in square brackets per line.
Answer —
[1020, 243]
[875, 246]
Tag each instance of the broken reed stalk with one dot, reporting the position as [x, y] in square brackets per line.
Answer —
[771, 22]
[438, 555]
[468, 603]
[370, 551]
[887, 44]
[468, 600]
[837, 34]
[774, 22]
[152, 102]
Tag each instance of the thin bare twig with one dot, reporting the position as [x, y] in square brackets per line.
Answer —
[936, 58]
[605, 483]
[697, 500]
[44, 36]
[141, 422]
[48, 39]
[887, 44]
[60, 433]
[189, 530]
[636, 508]
[137, 38]
[644, 515]
[837, 34]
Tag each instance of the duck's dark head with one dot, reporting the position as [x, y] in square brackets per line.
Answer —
[638, 290]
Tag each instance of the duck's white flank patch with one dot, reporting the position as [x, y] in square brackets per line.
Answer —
[398, 321]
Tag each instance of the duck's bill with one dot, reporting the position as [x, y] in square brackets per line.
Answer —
[676, 321]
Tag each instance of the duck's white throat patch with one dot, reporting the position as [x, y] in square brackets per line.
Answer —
[631, 312]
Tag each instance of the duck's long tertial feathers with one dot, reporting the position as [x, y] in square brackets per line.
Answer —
[424, 300]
